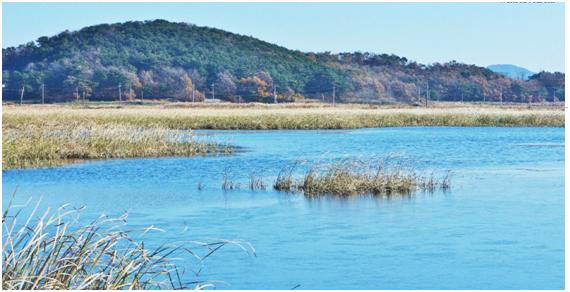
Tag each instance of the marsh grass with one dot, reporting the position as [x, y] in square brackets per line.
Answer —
[285, 181]
[56, 142]
[355, 177]
[256, 182]
[51, 251]
[292, 116]
[228, 183]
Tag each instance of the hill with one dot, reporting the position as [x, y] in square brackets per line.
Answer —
[160, 59]
[515, 72]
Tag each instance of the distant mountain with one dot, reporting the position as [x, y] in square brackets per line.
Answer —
[515, 72]
[164, 60]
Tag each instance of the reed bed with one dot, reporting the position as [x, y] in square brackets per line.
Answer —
[291, 116]
[52, 251]
[56, 142]
[348, 178]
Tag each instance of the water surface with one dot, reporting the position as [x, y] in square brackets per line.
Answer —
[500, 227]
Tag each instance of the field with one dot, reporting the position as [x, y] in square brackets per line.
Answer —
[48, 135]
[290, 116]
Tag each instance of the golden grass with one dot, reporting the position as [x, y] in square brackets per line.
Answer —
[56, 142]
[355, 177]
[290, 116]
[52, 251]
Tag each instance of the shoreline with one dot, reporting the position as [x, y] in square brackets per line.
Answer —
[51, 135]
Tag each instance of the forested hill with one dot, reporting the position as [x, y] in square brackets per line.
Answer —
[160, 59]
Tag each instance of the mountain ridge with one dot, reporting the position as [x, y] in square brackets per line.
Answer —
[181, 61]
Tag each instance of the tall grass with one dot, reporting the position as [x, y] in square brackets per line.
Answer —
[350, 177]
[291, 117]
[228, 183]
[57, 142]
[256, 182]
[51, 251]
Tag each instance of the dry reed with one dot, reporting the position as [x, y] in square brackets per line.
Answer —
[354, 177]
[50, 250]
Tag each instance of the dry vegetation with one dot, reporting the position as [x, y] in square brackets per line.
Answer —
[355, 177]
[289, 116]
[33, 143]
[50, 251]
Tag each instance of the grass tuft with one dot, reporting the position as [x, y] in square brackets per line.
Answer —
[228, 184]
[51, 251]
[256, 183]
[347, 178]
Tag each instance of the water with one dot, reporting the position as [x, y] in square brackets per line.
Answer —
[500, 227]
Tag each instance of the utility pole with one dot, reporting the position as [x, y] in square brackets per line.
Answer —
[43, 93]
[334, 95]
[193, 94]
[120, 95]
[274, 94]
[501, 96]
[419, 92]
[213, 95]
[427, 93]
[22, 95]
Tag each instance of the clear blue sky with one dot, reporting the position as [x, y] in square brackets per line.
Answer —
[528, 35]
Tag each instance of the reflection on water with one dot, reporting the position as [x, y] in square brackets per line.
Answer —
[500, 226]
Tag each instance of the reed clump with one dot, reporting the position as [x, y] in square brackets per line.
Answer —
[348, 178]
[52, 251]
[256, 182]
[55, 142]
[285, 181]
[228, 183]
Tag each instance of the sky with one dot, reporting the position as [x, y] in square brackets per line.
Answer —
[530, 35]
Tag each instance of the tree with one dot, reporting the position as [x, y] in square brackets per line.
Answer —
[188, 86]
[225, 85]
[253, 88]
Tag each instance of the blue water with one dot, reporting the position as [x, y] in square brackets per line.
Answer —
[500, 227]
